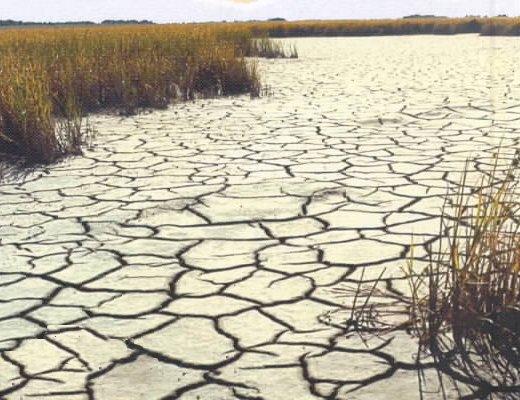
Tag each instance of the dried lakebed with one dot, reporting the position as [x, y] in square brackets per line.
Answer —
[210, 251]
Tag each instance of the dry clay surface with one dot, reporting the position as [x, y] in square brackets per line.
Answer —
[210, 251]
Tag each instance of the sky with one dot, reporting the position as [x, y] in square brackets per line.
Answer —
[218, 10]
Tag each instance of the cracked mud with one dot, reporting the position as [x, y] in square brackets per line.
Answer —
[209, 251]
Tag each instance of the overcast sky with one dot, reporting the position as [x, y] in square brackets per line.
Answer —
[216, 10]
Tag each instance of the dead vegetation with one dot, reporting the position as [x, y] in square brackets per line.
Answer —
[465, 307]
[51, 79]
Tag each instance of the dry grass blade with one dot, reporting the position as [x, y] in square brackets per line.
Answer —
[469, 316]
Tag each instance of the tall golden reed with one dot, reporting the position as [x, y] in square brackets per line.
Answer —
[466, 307]
[48, 76]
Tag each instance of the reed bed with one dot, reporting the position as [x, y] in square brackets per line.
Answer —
[268, 48]
[406, 26]
[50, 79]
[466, 307]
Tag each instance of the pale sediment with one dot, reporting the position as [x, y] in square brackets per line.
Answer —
[210, 251]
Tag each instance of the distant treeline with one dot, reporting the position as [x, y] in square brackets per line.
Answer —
[126, 22]
[423, 16]
[412, 25]
[10, 22]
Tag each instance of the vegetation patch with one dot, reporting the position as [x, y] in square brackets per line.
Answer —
[406, 26]
[50, 79]
[466, 306]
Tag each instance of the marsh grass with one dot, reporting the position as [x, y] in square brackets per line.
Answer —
[501, 27]
[466, 306]
[50, 79]
[408, 26]
[268, 48]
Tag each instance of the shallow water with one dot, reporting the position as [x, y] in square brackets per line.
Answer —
[211, 250]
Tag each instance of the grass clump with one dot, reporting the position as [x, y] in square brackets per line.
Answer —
[466, 307]
[267, 48]
[50, 79]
